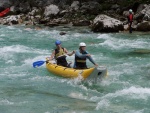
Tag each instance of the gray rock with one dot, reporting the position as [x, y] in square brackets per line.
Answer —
[81, 23]
[104, 23]
[75, 5]
[35, 11]
[125, 13]
[141, 7]
[51, 10]
[62, 33]
[143, 14]
[144, 26]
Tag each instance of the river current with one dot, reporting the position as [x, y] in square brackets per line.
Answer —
[24, 89]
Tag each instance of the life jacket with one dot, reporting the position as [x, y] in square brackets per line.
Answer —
[61, 57]
[59, 53]
[80, 62]
[130, 17]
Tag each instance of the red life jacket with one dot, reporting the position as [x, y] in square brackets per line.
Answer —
[130, 17]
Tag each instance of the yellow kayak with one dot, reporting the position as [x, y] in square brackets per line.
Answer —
[96, 73]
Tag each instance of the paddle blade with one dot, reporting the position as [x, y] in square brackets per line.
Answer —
[38, 63]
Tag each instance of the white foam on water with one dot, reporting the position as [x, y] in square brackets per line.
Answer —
[78, 83]
[76, 80]
[48, 78]
[13, 73]
[130, 93]
[127, 68]
[114, 74]
[14, 48]
[23, 102]
[30, 61]
[40, 78]
[107, 107]
[21, 49]
[28, 29]
[20, 30]
[8, 54]
[10, 62]
[42, 33]
[136, 111]
[139, 43]
[6, 102]
[2, 35]
[77, 35]
[114, 44]
[77, 95]
[53, 34]
[135, 92]
[119, 44]
[103, 36]
[103, 104]
[10, 27]
[47, 33]
[1, 39]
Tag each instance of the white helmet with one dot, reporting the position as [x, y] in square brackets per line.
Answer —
[130, 11]
[82, 44]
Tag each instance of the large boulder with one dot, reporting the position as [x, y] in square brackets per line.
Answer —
[144, 14]
[104, 23]
[144, 26]
[51, 10]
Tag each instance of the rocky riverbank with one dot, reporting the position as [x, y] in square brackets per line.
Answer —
[99, 15]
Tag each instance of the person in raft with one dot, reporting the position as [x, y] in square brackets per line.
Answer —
[60, 54]
[130, 20]
[80, 57]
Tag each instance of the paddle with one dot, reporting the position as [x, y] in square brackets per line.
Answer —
[38, 63]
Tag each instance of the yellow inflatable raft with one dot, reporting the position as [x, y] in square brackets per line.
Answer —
[90, 73]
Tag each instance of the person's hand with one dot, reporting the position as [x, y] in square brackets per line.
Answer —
[50, 58]
[88, 55]
[96, 65]
[73, 51]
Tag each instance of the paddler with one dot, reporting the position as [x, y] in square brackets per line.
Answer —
[60, 54]
[80, 57]
[130, 20]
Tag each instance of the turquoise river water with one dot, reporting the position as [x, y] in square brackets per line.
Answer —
[24, 89]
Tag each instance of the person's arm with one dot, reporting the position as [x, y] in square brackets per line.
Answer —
[91, 59]
[69, 54]
[52, 56]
